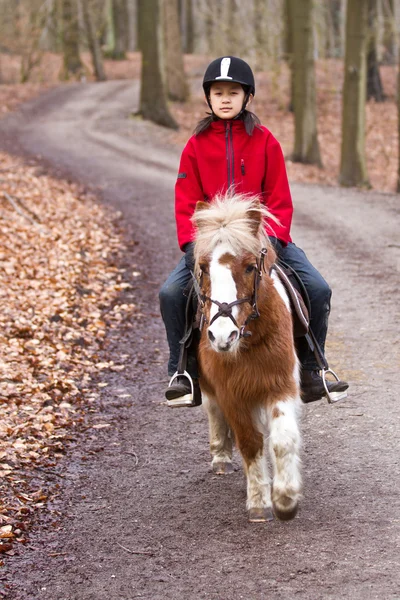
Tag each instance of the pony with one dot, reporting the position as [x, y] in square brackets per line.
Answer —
[249, 371]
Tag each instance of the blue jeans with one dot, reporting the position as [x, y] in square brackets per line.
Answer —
[173, 304]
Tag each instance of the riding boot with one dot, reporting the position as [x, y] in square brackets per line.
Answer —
[180, 393]
[312, 386]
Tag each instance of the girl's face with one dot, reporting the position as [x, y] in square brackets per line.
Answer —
[227, 99]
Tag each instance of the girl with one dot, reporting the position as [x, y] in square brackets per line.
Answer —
[231, 147]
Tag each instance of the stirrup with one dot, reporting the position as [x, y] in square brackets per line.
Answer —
[332, 397]
[187, 399]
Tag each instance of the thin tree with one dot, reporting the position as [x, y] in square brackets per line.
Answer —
[153, 95]
[374, 81]
[260, 8]
[70, 39]
[177, 84]
[120, 24]
[398, 126]
[93, 42]
[306, 147]
[132, 25]
[353, 170]
[187, 25]
[334, 45]
[389, 31]
[287, 44]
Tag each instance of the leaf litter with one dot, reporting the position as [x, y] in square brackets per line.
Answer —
[59, 295]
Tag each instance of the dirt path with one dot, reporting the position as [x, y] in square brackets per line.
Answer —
[142, 515]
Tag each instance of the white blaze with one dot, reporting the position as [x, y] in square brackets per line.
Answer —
[223, 289]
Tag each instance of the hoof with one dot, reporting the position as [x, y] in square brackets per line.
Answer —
[260, 515]
[286, 513]
[222, 468]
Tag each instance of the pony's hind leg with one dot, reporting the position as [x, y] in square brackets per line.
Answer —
[220, 438]
[284, 450]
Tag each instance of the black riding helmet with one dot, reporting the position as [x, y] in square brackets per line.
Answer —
[233, 69]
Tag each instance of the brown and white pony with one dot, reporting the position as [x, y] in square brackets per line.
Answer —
[248, 364]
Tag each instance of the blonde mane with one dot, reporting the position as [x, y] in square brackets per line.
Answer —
[228, 220]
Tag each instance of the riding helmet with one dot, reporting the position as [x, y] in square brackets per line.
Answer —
[229, 68]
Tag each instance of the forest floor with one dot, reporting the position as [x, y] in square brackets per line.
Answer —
[121, 502]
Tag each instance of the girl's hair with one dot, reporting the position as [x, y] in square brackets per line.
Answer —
[249, 119]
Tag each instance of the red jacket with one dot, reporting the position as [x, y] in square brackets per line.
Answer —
[222, 155]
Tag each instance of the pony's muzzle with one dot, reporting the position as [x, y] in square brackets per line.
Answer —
[223, 343]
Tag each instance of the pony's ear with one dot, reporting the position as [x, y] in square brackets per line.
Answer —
[202, 205]
[254, 215]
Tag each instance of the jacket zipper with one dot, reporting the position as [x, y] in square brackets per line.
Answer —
[242, 167]
[229, 154]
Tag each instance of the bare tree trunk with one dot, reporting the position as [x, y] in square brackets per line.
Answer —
[334, 28]
[120, 26]
[93, 42]
[260, 8]
[132, 25]
[233, 34]
[389, 33]
[353, 169]
[153, 97]
[398, 124]
[374, 82]
[306, 147]
[288, 48]
[187, 26]
[70, 38]
[177, 85]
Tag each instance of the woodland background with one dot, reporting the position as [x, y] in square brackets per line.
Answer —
[326, 76]
[326, 70]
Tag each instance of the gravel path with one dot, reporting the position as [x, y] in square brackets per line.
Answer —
[142, 514]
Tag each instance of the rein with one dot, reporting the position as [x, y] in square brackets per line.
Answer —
[225, 308]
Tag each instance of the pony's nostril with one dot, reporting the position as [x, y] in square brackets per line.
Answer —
[211, 336]
[233, 336]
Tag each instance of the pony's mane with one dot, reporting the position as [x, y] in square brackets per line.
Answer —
[228, 220]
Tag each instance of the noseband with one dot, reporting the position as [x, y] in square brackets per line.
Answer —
[225, 308]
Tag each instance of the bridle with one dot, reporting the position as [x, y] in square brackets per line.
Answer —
[225, 308]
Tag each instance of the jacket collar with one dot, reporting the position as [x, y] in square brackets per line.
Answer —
[220, 125]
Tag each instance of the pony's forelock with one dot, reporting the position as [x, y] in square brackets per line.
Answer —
[228, 221]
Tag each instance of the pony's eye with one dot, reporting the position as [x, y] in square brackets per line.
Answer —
[250, 268]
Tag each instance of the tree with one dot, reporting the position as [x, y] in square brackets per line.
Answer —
[353, 170]
[177, 84]
[93, 42]
[259, 32]
[389, 32]
[132, 25]
[120, 25]
[306, 147]
[186, 9]
[398, 127]
[374, 82]
[334, 43]
[288, 47]
[70, 39]
[153, 97]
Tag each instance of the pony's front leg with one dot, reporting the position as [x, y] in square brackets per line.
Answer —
[284, 450]
[220, 438]
[249, 430]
